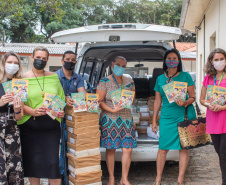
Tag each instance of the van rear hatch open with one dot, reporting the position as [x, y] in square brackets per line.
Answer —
[118, 32]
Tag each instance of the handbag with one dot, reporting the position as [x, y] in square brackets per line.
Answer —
[192, 133]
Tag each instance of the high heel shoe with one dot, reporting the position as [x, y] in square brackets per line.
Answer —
[157, 183]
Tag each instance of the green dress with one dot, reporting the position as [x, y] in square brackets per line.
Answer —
[171, 114]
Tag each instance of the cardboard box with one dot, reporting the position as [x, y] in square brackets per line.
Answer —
[84, 153]
[95, 133]
[82, 130]
[145, 116]
[143, 108]
[84, 182]
[142, 129]
[81, 124]
[77, 171]
[88, 140]
[84, 176]
[83, 162]
[96, 183]
[83, 147]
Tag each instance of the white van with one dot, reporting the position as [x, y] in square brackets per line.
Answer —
[143, 46]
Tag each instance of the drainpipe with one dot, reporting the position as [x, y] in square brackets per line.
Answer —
[76, 49]
[204, 52]
[174, 45]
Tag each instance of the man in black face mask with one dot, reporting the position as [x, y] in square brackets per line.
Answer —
[71, 83]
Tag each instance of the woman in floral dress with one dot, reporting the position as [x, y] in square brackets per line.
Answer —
[11, 171]
[117, 129]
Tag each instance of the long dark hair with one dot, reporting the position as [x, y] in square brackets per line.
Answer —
[179, 67]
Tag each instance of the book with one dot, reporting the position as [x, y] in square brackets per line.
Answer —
[7, 86]
[79, 101]
[180, 90]
[92, 104]
[209, 93]
[20, 88]
[168, 89]
[218, 96]
[175, 90]
[57, 105]
[47, 103]
[127, 98]
[116, 97]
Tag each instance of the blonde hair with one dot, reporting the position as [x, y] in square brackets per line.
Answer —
[40, 48]
[19, 73]
[209, 68]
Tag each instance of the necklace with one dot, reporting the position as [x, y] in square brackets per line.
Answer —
[117, 82]
[170, 77]
[43, 93]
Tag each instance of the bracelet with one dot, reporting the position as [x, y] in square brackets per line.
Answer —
[193, 98]
[18, 112]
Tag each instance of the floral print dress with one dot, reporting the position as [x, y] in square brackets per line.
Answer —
[11, 171]
[117, 129]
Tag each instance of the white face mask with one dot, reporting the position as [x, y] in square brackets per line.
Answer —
[219, 65]
[11, 69]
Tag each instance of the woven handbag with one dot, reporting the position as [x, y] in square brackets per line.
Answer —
[192, 133]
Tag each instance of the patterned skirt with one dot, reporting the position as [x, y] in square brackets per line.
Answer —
[117, 133]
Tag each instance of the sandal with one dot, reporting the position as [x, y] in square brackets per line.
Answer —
[157, 183]
[180, 183]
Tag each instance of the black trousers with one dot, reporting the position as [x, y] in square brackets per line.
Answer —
[219, 142]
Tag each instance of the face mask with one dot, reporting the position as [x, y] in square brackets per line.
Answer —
[69, 65]
[39, 64]
[219, 65]
[172, 63]
[11, 69]
[118, 71]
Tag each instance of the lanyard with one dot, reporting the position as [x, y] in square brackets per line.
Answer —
[68, 85]
[117, 82]
[215, 79]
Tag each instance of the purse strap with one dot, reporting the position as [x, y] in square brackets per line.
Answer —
[197, 111]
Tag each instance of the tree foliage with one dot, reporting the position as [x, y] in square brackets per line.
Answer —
[36, 21]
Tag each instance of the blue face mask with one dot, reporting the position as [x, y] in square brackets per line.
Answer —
[118, 71]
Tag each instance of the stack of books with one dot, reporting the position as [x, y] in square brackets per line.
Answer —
[83, 147]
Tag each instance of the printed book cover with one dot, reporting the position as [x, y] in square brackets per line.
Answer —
[79, 101]
[168, 89]
[92, 102]
[57, 105]
[209, 93]
[47, 103]
[116, 97]
[7, 87]
[219, 94]
[180, 90]
[20, 88]
[127, 98]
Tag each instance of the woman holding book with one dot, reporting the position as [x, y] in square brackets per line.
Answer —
[11, 109]
[117, 129]
[40, 134]
[169, 136]
[216, 113]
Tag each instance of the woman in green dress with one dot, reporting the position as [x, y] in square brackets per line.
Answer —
[40, 134]
[172, 113]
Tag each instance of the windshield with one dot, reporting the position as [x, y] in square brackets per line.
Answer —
[141, 69]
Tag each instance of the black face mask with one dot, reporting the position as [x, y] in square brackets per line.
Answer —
[69, 65]
[39, 64]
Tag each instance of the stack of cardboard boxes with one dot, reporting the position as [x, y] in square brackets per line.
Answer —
[83, 148]
[145, 109]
